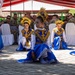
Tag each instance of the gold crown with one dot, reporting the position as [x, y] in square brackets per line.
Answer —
[59, 22]
[44, 15]
[25, 19]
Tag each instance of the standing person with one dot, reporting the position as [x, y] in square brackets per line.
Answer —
[14, 27]
[25, 41]
[58, 38]
[40, 50]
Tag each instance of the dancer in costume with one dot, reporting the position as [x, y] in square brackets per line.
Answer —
[44, 14]
[1, 42]
[58, 38]
[40, 42]
[25, 41]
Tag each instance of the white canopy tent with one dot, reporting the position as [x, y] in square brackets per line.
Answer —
[33, 5]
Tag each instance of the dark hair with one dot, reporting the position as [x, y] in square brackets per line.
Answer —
[8, 17]
[26, 23]
[56, 16]
[40, 18]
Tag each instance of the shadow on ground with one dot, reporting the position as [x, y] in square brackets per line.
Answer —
[11, 67]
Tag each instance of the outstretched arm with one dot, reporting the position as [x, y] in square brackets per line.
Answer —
[52, 36]
[33, 41]
[64, 37]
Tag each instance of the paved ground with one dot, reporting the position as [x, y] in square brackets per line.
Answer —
[9, 65]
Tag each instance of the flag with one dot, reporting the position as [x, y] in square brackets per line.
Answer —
[62, 17]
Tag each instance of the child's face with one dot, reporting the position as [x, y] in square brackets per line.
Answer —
[59, 26]
[26, 26]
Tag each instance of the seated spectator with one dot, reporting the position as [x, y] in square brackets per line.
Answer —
[8, 19]
[70, 18]
[54, 19]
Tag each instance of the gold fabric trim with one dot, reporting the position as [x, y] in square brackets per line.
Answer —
[42, 37]
[59, 32]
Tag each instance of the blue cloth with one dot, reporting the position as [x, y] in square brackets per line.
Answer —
[20, 47]
[72, 53]
[1, 43]
[57, 43]
[38, 49]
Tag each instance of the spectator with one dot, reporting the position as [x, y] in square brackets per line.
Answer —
[70, 18]
[14, 27]
[54, 19]
[8, 19]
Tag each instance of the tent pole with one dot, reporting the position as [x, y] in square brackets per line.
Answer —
[10, 9]
[32, 6]
[23, 7]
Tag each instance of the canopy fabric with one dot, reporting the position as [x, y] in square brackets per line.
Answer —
[12, 2]
[67, 3]
[28, 6]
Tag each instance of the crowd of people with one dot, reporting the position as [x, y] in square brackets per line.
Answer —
[37, 41]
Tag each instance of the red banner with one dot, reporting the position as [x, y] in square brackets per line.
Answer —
[12, 2]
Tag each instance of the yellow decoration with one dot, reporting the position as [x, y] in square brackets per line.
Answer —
[25, 19]
[42, 37]
[27, 35]
[42, 13]
[72, 11]
[27, 43]
[59, 22]
[59, 32]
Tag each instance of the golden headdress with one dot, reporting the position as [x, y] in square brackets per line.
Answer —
[25, 19]
[42, 13]
[59, 22]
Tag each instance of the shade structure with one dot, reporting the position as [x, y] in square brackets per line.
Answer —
[28, 5]
[12, 2]
[66, 3]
